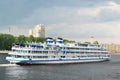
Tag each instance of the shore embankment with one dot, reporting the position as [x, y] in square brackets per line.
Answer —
[4, 51]
[115, 53]
[113, 48]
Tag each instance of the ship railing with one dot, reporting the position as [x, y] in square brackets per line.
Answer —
[25, 47]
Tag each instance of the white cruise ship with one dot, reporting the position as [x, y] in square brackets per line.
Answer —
[57, 53]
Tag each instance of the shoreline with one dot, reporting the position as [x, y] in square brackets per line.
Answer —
[4, 52]
[115, 53]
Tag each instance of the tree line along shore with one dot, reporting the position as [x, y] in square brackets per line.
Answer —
[6, 41]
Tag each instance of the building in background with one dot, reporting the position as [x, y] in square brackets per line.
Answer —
[113, 48]
[38, 31]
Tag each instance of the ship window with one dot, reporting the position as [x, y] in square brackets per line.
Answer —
[77, 52]
[45, 51]
[24, 51]
[47, 47]
[34, 57]
[39, 56]
[45, 56]
[18, 56]
[16, 50]
[62, 56]
[28, 51]
[34, 51]
[24, 56]
[53, 56]
[13, 50]
[39, 51]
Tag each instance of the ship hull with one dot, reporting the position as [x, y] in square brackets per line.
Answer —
[55, 61]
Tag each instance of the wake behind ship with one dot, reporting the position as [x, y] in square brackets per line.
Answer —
[57, 53]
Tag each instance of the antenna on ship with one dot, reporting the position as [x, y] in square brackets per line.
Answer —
[91, 39]
[9, 29]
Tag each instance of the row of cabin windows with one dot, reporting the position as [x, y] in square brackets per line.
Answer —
[44, 52]
[38, 52]
[85, 52]
[95, 56]
[18, 56]
[20, 51]
[25, 51]
[52, 48]
[67, 52]
[68, 48]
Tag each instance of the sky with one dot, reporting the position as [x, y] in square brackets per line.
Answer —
[70, 19]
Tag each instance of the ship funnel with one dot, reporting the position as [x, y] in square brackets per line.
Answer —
[50, 42]
[59, 42]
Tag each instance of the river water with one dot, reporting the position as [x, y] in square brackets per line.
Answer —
[109, 70]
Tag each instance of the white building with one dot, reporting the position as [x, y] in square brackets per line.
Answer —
[38, 31]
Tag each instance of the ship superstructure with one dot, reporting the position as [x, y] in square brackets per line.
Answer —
[57, 53]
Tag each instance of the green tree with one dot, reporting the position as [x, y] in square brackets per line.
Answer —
[95, 42]
[31, 39]
[87, 42]
[22, 38]
[40, 39]
[6, 41]
[68, 41]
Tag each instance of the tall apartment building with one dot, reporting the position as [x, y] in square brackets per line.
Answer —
[38, 31]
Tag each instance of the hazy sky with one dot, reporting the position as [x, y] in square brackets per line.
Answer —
[72, 19]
